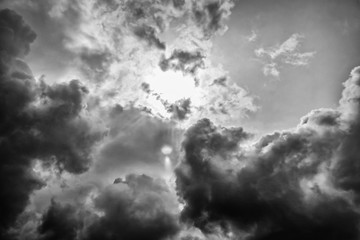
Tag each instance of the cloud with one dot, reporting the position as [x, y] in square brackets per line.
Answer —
[139, 209]
[187, 62]
[294, 184]
[59, 222]
[38, 121]
[148, 34]
[53, 123]
[134, 141]
[181, 109]
[346, 166]
[252, 37]
[211, 15]
[136, 208]
[116, 46]
[16, 36]
[287, 53]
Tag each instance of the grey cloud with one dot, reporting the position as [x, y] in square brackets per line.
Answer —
[210, 16]
[346, 168]
[72, 139]
[147, 20]
[147, 33]
[38, 121]
[95, 64]
[221, 81]
[178, 3]
[180, 109]
[16, 36]
[289, 185]
[133, 207]
[59, 222]
[134, 138]
[185, 61]
[137, 209]
[322, 117]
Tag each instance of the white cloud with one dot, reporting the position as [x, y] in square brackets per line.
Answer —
[280, 55]
[252, 37]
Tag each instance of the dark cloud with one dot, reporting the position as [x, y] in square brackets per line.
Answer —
[185, 61]
[38, 121]
[147, 20]
[137, 208]
[148, 34]
[300, 184]
[178, 3]
[16, 91]
[210, 16]
[72, 139]
[347, 167]
[95, 64]
[180, 109]
[16, 36]
[220, 81]
[321, 117]
[59, 222]
[295, 184]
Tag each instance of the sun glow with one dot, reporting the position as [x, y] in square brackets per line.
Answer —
[172, 86]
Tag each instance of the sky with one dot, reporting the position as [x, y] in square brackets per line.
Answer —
[179, 119]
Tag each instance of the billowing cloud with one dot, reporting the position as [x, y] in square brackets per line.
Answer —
[117, 46]
[102, 158]
[209, 15]
[286, 185]
[59, 222]
[38, 121]
[16, 36]
[136, 208]
[187, 62]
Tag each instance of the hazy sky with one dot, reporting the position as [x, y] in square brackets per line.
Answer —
[329, 29]
[179, 119]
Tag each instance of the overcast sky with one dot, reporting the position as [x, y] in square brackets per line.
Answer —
[179, 119]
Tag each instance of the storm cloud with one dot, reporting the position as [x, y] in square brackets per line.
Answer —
[143, 133]
[38, 121]
[137, 207]
[287, 185]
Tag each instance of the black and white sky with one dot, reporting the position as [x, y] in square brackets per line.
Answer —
[179, 119]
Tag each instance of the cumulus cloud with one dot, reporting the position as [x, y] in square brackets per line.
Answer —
[287, 53]
[286, 185]
[52, 124]
[38, 121]
[136, 208]
[118, 45]
[209, 15]
[16, 36]
[295, 184]
[59, 222]
[187, 62]
[148, 34]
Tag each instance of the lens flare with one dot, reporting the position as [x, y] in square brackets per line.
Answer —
[167, 163]
[166, 150]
